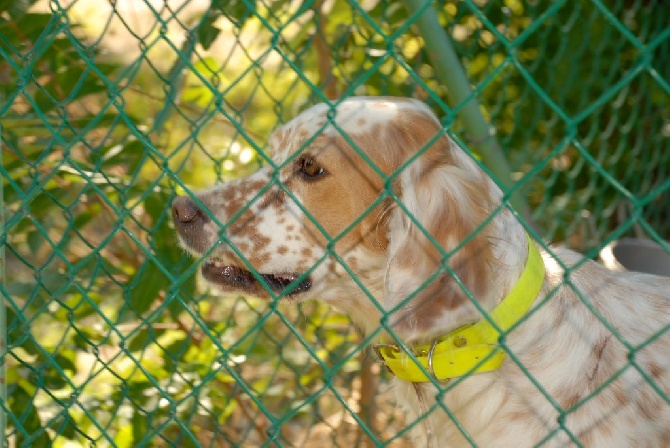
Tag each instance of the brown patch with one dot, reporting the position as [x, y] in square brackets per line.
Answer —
[259, 259]
[607, 429]
[230, 199]
[306, 251]
[656, 371]
[519, 416]
[665, 440]
[598, 355]
[245, 228]
[649, 405]
[280, 135]
[562, 311]
[275, 197]
[569, 402]
[618, 393]
[282, 250]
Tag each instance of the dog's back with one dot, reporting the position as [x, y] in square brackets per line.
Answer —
[590, 366]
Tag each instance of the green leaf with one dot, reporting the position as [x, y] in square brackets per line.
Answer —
[145, 287]
[35, 240]
[177, 349]
[84, 218]
[186, 290]
[53, 378]
[17, 330]
[172, 257]
[130, 156]
[52, 280]
[22, 406]
[207, 33]
[195, 91]
[140, 426]
[15, 8]
[238, 11]
[143, 338]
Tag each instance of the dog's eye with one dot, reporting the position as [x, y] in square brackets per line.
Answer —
[309, 169]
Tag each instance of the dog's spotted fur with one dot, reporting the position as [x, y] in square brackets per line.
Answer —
[575, 380]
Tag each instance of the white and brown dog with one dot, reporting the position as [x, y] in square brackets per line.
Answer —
[371, 207]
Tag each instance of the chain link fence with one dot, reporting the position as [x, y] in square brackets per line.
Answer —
[108, 108]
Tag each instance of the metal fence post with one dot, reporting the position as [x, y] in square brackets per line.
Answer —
[450, 73]
[3, 317]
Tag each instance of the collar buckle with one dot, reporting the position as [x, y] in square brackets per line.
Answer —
[380, 358]
[417, 354]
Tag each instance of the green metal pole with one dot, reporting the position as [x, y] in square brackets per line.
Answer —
[3, 320]
[450, 73]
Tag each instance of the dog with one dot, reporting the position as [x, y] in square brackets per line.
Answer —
[496, 339]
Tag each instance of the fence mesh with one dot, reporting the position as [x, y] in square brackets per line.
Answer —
[110, 107]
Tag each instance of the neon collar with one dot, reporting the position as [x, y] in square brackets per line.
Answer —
[473, 348]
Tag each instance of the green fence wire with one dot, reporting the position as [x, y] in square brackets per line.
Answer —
[110, 108]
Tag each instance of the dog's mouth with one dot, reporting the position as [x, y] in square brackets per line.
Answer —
[240, 279]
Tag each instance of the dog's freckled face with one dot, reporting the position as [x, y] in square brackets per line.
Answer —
[369, 211]
[335, 170]
[270, 228]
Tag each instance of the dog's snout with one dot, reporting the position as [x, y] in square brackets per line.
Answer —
[185, 210]
[190, 222]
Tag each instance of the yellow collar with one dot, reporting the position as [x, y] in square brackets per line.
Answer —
[473, 348]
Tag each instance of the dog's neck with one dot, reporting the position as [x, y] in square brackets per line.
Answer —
[473, 348]
[509, 247]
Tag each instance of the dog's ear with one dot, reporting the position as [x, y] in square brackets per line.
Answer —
[438, 246]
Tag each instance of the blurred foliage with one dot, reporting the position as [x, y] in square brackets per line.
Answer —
[111, 339]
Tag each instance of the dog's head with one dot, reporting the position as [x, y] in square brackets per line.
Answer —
[368, 205]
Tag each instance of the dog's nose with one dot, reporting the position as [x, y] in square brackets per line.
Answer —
[190, 220]
[185, 210]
